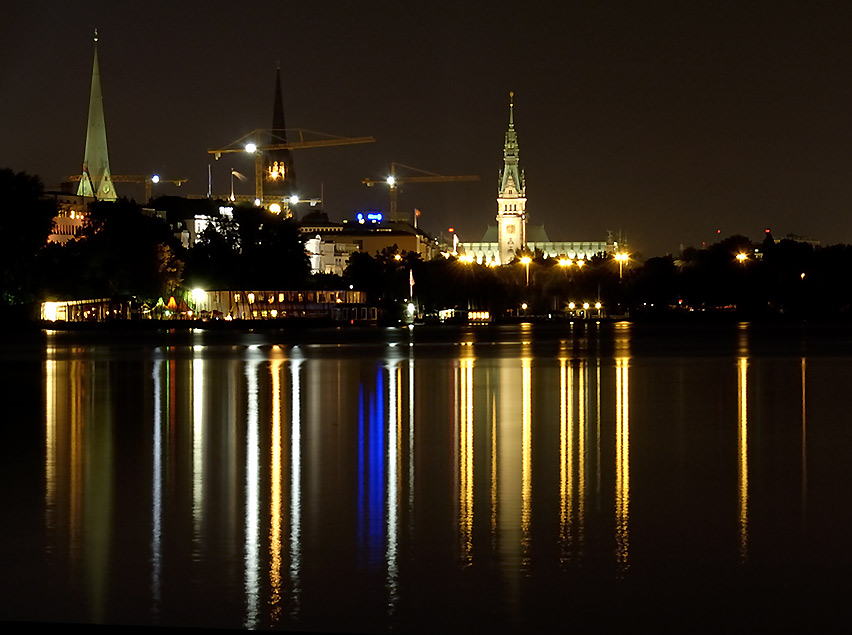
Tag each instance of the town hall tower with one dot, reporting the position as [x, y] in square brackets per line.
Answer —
[512, 197]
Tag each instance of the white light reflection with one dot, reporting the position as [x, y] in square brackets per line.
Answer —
[742, 453]
[804, 447]
[252, 510]
[411, 443]
[197, 448]
[582, 442]
[50, 440]
[465, 450]
[622, 448]
[157, 485]
[392, 515]
[566, 462]
[297, 358]
[526, 455]
[275, 494]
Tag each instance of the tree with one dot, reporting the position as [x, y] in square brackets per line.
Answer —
[122, 251]
[213, 262]
[26, 220]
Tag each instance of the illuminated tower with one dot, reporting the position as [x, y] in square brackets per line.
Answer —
[96, 180]
[511, 198]
[280, 178]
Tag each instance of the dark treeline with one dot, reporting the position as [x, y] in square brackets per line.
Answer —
[124, 252]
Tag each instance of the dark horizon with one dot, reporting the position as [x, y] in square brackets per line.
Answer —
[667, 122]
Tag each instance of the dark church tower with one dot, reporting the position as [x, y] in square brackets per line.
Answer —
[280, 177]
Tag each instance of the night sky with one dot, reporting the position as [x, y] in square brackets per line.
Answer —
[665, 120]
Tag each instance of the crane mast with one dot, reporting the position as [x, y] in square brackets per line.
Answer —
[393, 180]
[247, 143]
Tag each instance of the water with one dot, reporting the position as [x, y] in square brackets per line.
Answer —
[387, 480]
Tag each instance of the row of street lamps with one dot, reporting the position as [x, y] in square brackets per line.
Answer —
[620, 257]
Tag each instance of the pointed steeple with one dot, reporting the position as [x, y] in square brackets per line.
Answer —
[280, 176]
[512, 197]
[96, 180]
[511, 177]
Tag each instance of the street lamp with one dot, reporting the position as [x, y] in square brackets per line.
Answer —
[526, 260]
[741, 258]
[621, 258]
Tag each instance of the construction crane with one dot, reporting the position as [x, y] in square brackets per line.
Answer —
[249, 143]
[394, 181]
[137, 178]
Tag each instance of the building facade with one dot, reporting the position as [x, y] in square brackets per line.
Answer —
[512, 233]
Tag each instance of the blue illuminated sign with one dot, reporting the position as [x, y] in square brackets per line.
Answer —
[372, 217]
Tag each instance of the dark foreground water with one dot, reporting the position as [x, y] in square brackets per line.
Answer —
[507, 478]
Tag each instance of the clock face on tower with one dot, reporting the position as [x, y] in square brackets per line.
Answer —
[510, 229]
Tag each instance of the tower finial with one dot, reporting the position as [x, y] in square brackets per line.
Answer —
[511, 108]
[96, 35]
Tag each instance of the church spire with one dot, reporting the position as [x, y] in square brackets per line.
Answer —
[280, 176]
[96, 180]
[511, 177]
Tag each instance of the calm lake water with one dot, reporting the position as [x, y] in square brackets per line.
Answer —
[429, 479]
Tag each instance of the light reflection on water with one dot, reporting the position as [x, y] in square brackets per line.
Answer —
[364, 486]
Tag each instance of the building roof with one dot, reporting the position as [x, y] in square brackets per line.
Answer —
[535, 234]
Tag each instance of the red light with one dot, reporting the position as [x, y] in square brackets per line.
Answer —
[451, 230]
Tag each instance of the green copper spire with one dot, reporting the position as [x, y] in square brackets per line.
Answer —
[96, 180]
[511, 177]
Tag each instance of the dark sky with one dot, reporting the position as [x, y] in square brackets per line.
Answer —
[665, 120]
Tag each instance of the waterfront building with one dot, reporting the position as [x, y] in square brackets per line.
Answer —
[330, 244]
[71, 211]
